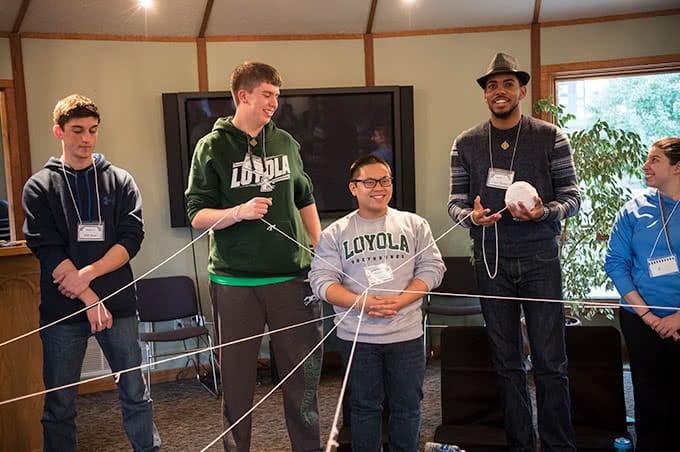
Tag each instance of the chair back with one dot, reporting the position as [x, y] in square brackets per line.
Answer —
[459, 276]
[596, 385]
[166, 298]
[470, 390]
[472, 402]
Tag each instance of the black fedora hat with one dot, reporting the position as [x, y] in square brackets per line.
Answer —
[503, 63]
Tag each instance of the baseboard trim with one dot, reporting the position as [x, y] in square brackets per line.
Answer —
[157, 376]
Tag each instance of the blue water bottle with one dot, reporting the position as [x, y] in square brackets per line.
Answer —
[622, 444]
[439, 447]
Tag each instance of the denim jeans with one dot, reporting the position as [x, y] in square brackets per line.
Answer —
[536, 276]
[64, 348]
[393, 371]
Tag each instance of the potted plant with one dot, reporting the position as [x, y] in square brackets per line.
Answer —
[603, 156]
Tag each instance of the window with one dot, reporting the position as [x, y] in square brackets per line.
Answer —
[648, 105]
[15, 154]
[640, 94]
[5, 211]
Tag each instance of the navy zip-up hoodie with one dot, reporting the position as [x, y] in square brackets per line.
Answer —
[51, 230]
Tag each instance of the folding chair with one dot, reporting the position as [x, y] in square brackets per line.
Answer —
[173, 298]
[458, 278]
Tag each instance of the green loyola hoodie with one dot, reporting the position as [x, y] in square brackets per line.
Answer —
[230, 168]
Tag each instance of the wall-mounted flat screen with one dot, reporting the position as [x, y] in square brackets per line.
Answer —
[334, 127]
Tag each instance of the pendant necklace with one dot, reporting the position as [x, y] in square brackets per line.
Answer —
[505, 145]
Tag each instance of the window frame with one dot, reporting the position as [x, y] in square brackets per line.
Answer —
[552, 74]
[17, 166]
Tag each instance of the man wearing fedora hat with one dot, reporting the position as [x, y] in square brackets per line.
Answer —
[519, 257]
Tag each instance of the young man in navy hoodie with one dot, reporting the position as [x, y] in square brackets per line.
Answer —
[84, 224]
[245, 170]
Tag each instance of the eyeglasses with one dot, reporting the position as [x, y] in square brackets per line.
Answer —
[371, 183]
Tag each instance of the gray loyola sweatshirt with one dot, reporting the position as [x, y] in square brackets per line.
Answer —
[352, 243]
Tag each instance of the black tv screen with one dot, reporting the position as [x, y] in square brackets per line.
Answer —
[334, 127]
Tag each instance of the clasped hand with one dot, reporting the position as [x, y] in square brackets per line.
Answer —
[383, 306]
[73, 283]
[665, 327]
[100, 318]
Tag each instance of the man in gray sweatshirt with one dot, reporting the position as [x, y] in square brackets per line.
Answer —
[380, 260]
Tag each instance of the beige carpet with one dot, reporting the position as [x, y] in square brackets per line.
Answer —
[188, 417]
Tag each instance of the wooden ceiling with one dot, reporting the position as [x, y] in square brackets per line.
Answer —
[268, 19]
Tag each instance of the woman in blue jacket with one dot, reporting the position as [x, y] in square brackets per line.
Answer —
[642, 262]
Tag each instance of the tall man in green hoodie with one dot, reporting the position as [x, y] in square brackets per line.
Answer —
[245, 170]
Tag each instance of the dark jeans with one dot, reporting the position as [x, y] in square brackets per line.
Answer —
[655, 369]
[536, 276]
[243, 312]
[395, 371]
[64, 348]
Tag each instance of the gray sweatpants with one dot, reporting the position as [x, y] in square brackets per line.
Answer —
[242, 312]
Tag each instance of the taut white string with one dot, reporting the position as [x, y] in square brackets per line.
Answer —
[281, 382]
[332, 437]
[592, 304]
[272, 227]
[434, 242]
[9, 341]
[166, 360]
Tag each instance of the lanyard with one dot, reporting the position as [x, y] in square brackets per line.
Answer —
[665, 221]
[263, 158]
[514, 149]
[96, 187]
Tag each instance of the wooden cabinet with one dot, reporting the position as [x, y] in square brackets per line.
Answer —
[20, 361]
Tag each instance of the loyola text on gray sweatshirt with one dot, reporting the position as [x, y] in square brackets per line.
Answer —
[352, 243]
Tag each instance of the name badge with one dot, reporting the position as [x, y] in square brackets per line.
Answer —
[661, 266]
[378, 274]
[500, 178]
[90, 232]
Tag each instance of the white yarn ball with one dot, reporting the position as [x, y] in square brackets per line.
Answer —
[521, 191]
